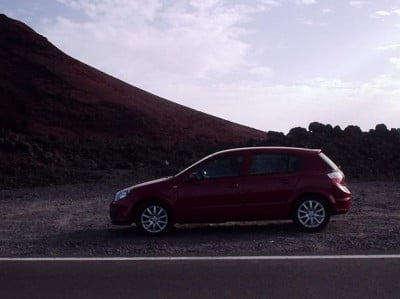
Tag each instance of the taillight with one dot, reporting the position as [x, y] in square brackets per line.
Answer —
[336, 177]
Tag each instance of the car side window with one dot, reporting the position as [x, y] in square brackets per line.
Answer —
[227, 166]
[274, 163]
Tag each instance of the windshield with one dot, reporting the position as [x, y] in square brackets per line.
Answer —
[194, 164]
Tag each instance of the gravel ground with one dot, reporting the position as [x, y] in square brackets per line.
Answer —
[72, 220]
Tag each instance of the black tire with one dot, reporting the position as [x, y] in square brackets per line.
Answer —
[311, 214]
[153, 218]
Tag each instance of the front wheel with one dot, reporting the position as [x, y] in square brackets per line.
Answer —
[311, 214]
[153, 218]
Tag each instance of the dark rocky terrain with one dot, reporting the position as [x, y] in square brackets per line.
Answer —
[42, 160]
[72, 220]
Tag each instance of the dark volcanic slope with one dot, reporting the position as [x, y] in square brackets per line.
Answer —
[45, 92]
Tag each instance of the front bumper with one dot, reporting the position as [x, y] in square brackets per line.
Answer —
[120, 213]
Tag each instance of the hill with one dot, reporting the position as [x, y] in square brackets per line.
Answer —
[45, 92]
[63, 121]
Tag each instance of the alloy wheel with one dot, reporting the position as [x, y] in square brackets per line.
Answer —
[154, 219]
[311, 214]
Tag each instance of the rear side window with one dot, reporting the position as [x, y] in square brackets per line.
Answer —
[328, 161]
[227, 166]
[274, 163]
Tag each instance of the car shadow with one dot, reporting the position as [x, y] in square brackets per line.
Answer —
[187, 231]
[227, 238]
[233, 229]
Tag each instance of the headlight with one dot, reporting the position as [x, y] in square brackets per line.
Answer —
[122, 194]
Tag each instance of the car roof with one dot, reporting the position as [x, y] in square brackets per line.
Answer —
[271, 149]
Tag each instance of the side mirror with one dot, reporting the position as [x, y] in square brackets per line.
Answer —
[193, 176]
[196, 176]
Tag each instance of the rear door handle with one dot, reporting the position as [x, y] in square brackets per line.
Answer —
[234, 186]
[285, 182]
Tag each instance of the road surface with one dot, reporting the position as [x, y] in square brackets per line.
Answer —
[262, 277]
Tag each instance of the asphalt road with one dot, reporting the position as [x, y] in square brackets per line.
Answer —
[248, 278]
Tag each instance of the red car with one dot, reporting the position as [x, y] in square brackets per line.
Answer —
[242, 184]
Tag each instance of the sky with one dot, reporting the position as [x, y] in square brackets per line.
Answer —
[267, 64]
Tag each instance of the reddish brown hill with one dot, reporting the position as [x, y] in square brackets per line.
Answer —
[45, 92]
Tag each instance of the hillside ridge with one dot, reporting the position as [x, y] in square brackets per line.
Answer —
[46, 92]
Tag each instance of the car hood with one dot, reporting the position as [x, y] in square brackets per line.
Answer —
[152, 182]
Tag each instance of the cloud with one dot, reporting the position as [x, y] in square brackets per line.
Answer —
[357, 4]
[326, 10]
[152, 38]
[389, 47]
[261, 71]
[306, 2]
[383, 13]
[395, 61]
[270, 3]
[380, 14]
[311, 22]
[113, 10]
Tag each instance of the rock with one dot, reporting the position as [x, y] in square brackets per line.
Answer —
[352, 130]
[381, 129]
[337, 130]
[316, 127]
[275, 135]
[298, 132]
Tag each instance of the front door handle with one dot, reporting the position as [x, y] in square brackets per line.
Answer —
[234, 186]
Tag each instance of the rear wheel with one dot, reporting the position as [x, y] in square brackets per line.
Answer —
[153, 218]
[311, 214]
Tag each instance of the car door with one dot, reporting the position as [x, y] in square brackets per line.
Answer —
[215, 196]
[269, 185]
